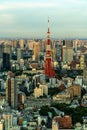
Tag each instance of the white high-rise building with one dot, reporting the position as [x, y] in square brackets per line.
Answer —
[30, 44]
[67, 54]
[19, 54]
[21, 43]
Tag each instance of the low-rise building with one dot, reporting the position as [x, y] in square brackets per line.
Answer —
[55, 125]
[41, 90]
[38, 92]
[63, 122]
[63, 96]
[76, 90]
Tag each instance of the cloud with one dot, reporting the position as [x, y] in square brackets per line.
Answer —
[22, 5]
[20, 16]
[6, 19]
[11, 5]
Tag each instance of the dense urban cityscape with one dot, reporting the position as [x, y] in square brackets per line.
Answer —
[43, 84]
[43, 65]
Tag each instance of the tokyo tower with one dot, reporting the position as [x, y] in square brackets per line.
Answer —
[48, 68]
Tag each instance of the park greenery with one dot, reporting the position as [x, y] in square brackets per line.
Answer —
[77, 113]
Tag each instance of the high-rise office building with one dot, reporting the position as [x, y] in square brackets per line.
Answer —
[19, 54]
[6, 61]
[14, 43]
[11, 91]
[58, 52]
[36, 50]
[21, 43]
[6, 48]
[67, 54]
[5, 51]
[68, 43]
[30, 44]
[42, 46]
[1, 50]
[85, 76]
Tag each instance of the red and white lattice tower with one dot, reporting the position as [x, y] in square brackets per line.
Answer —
[48, 68]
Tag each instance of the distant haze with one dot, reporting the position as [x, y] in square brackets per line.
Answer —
[28, 18]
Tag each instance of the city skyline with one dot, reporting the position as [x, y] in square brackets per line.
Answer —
[28, 19]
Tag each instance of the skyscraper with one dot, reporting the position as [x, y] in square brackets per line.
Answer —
[21, 43]
[67, 54]
[6, 61]
[68, 43]
[19, 54]
[36, 50]
[11, 91]
[58, 52]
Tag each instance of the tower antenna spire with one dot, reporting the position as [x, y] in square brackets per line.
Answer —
[48, 25]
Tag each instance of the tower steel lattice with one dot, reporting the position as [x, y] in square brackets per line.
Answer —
[48, 67]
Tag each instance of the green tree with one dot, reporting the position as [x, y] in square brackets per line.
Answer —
[43, 123]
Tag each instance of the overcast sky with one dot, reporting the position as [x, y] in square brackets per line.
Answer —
[28, 18]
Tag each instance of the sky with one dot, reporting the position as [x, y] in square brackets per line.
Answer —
[28, 18]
